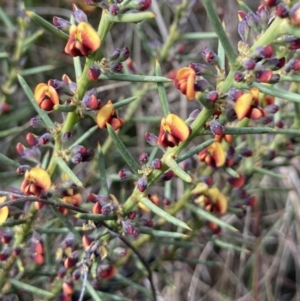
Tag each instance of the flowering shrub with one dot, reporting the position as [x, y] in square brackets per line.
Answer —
[88, 209]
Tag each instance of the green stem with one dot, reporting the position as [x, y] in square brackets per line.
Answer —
[256, 130]
[217, 25]
[277, 92]
[273, 32]
[173, 33]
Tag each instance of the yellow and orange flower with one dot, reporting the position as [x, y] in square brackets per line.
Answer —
[172, 131]
[3, 211]
[212, 199]
[108, 114]
[35, 181]
[83, 40]
[227, 137]
[213, 155]
[247, 105]
[185, 82]
[46, 96]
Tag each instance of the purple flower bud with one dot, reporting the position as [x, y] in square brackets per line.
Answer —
[144, 157]
[249, 64]
[151, 138]
[267, 119]
[245, 152]
[88, 156]
[94, 72]
[36, 122]
[274, 63]
[79, 149]
[114, 55]
[168, 175]
[124, 54]
[282, 11]
[216, 127]
[243, 30]
[66, 136]
[156, 163]
[263, 16]
[114, 9]
[252, 20]
[45, 138]
[107, 208]
[264, 52]
[194, 114]
[32, 154]
[91, 101]
[79, 15]
[209, 56]
[200, 69]
[61, 23]
[77, 158]
[264, 76]
[272, 109]
[142, 184]
[238, 76]
[234, 94]
[116, 67]
[22, 169]
[124, 173]
[202, 84]
[212, 96]
[129, 228]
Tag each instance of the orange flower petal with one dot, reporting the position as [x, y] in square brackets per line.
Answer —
[178, 127]
[221, 203]
[89, 36]
[185, 82]
[190, 88]
[3, 211]
[256, 113]
[39, 177]
[40, 91]
[243, 105]
[185, 73]
[217, 153]
[104, 115]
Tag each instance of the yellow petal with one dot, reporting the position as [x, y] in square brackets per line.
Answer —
[40, 177]
[3, 211]
[243, 105]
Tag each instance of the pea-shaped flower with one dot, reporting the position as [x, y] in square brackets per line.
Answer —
[172, 131]
[83, 40]
[35, 181]
[108, 114]
[46, 96]
[185, 82]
